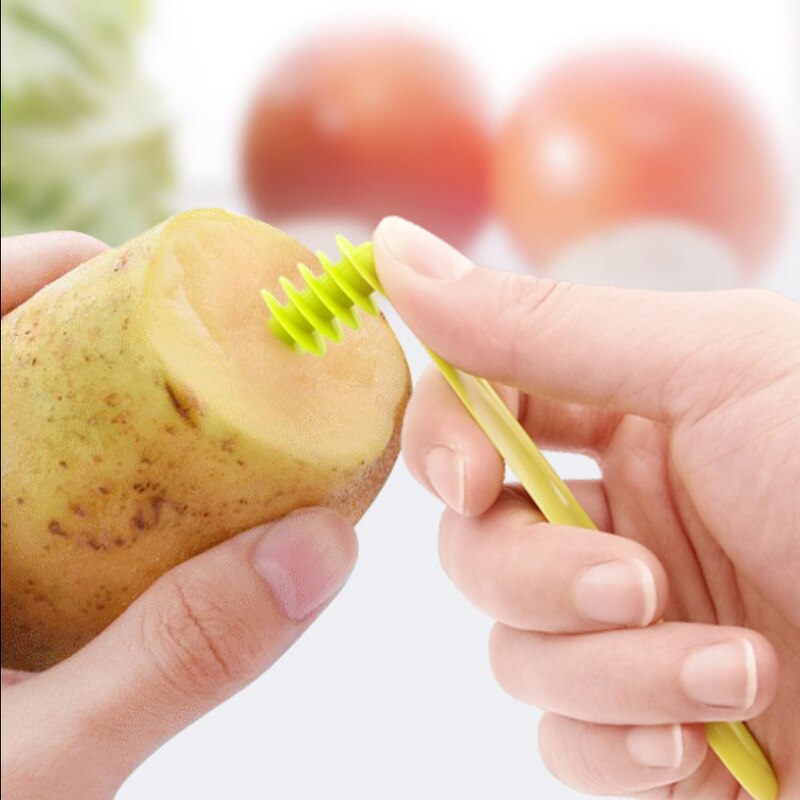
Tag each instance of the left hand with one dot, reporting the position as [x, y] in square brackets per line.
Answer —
[198, 635]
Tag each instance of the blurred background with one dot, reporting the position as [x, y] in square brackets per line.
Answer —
[638, 144]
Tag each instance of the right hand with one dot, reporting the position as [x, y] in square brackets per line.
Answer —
[691, 405]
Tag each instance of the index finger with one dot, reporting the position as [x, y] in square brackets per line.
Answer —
[661, 355]
[33, 260]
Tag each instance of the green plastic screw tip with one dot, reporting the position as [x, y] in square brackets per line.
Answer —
[326, 301]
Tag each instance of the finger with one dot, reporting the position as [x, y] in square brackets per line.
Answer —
[535, 576]
[199, 634]
[446, 451]
[632, 351]
[675, 672]
[34, 260]
[619, 760]
[568, 427]
[591, 494]
[449, 455]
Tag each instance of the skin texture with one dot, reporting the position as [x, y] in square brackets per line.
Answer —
[367, 124]
[148, 445]
[611, 137]
[689, 405]
[198, 635]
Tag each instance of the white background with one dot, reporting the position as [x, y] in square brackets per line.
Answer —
[390, 694]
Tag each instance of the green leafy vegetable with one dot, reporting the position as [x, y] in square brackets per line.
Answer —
[85, 145]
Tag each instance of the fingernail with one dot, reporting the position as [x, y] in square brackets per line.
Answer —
[722, 675]
[420, 250]
[656, 745]
[447, 472]
[617, 593]
[304, 560]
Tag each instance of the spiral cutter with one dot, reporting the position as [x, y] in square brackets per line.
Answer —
[328, 301]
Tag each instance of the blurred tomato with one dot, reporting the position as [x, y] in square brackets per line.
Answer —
[614, 137]
[369, 125]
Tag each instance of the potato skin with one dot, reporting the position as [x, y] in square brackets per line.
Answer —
[112, 472]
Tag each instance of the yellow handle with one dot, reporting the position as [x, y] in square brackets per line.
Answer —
[733, 743]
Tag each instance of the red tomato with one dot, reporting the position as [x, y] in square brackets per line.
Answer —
[369, 125]
[613, 137]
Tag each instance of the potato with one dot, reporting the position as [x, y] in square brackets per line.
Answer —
[148, 413]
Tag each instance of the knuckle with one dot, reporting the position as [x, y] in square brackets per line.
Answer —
[622, 688]
[593, 773]
[567, 754]
[197, 644]
[499, 659]
[551, 749]
[551, 743]
[527, 304]
[515, 657]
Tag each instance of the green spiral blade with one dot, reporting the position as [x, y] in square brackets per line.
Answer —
[326, 301]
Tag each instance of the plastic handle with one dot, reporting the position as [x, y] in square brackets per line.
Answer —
[526, 461]
[733, 743]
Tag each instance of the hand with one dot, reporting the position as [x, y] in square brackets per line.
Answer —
[197, 636]
[690, 403]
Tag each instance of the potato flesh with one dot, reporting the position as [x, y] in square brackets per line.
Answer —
[214, 338]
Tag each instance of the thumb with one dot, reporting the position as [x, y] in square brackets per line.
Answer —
[633, 351]
[199, 634]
